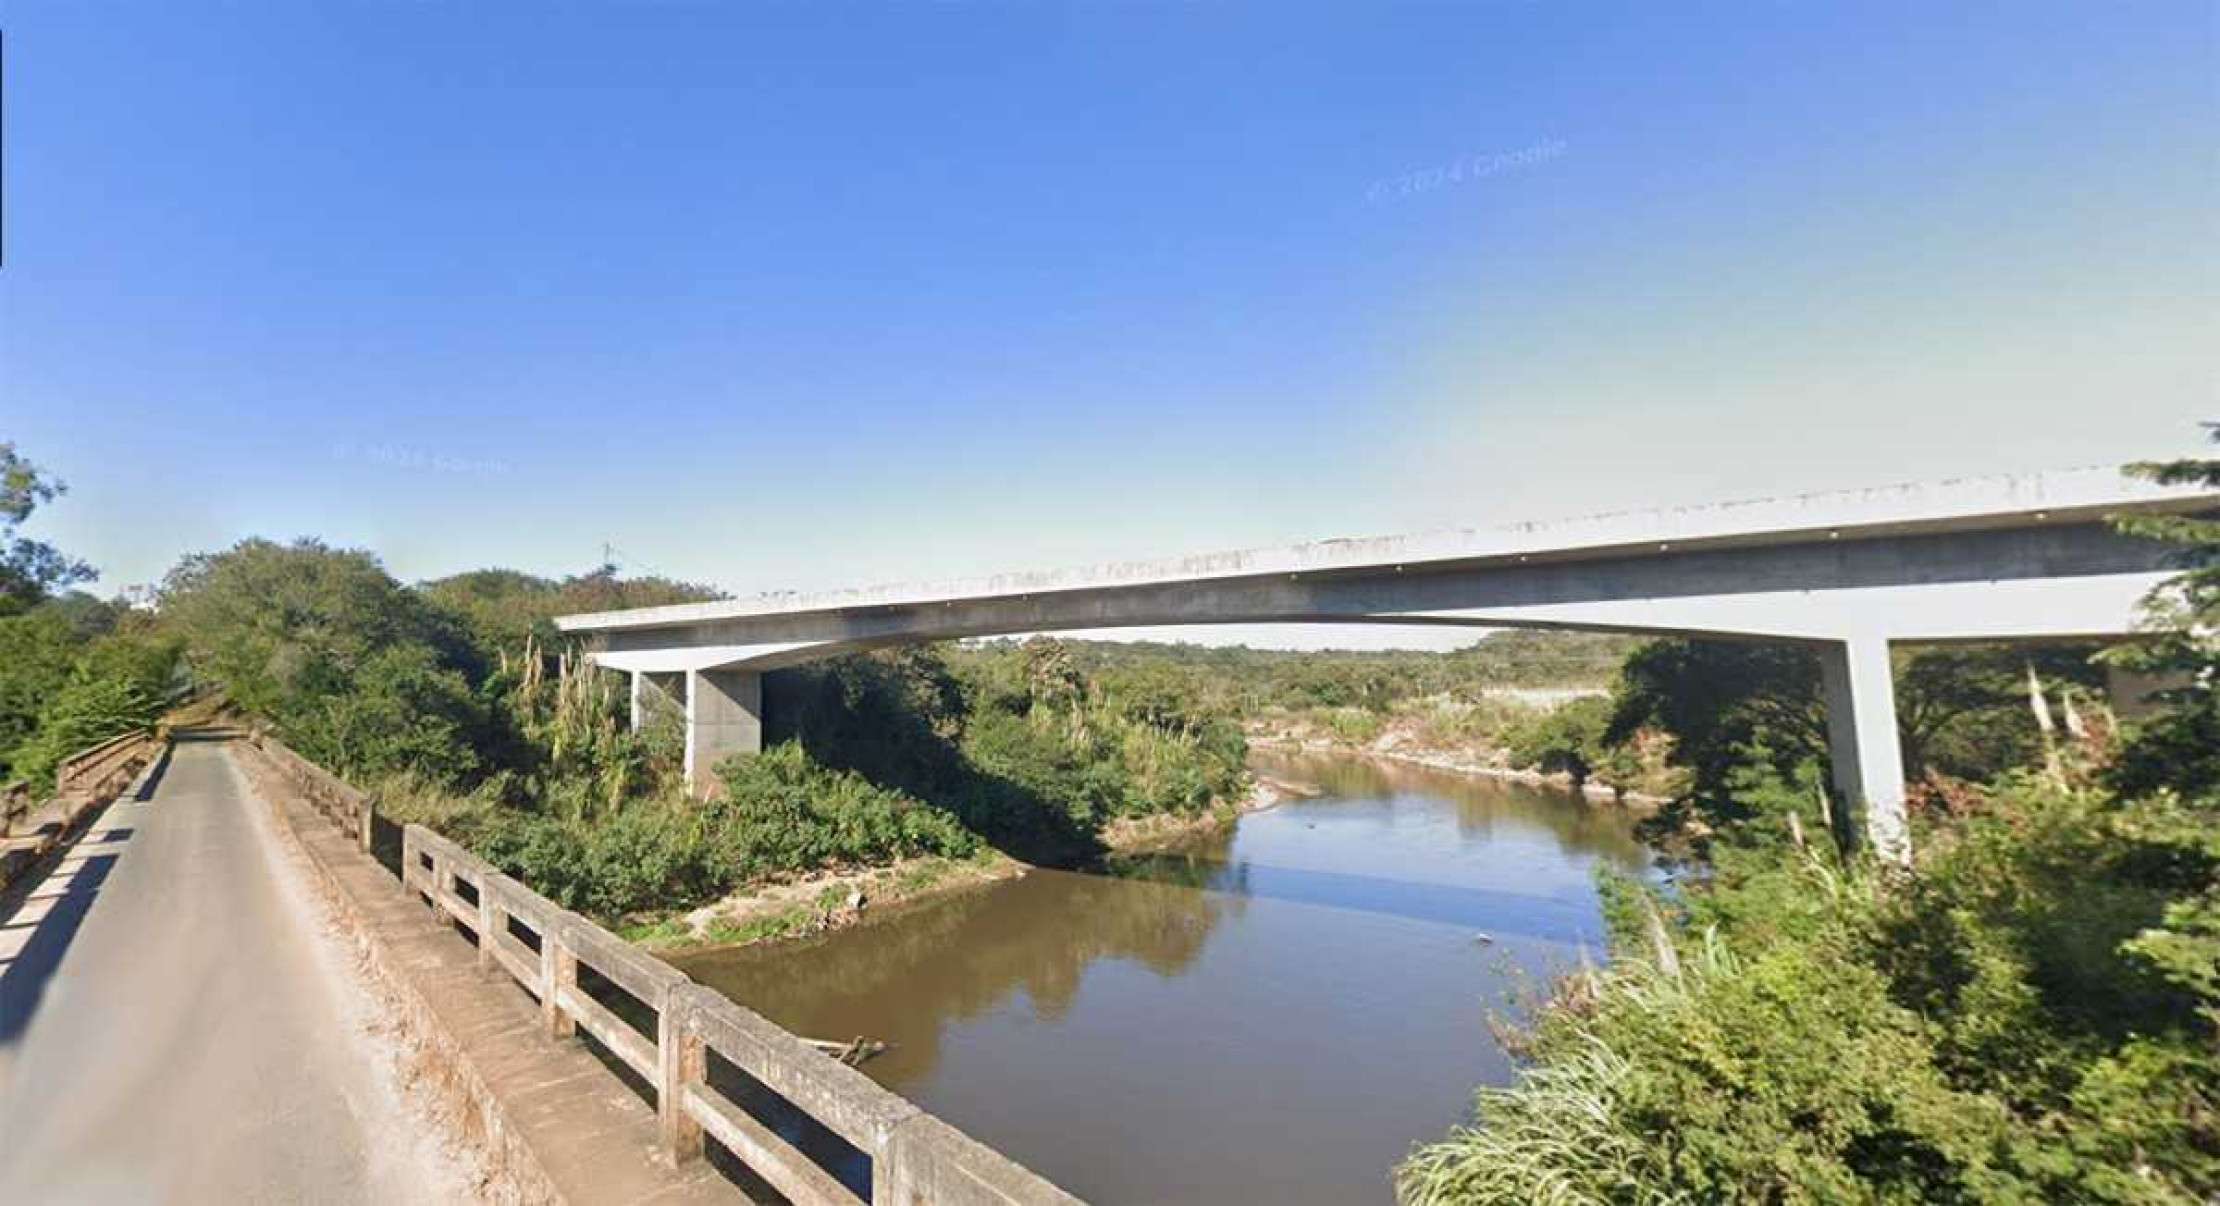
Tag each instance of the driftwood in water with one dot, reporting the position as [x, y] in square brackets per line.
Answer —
[852, 1052]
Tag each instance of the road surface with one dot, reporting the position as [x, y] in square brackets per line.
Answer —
[179, 1021]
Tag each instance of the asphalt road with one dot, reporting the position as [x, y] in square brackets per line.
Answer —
[179, 1023]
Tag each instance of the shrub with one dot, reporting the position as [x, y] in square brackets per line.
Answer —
[2029, 1018]
[118, 685]
[782, 812]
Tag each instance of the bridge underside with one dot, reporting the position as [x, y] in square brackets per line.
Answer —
[1850, 599]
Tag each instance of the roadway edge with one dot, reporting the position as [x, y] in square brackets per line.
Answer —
[433, 1064]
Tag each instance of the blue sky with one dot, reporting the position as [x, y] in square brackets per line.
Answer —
[785, 295]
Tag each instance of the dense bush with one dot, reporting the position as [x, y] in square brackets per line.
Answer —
[1237, 680]
[780, 814]
[1030, 749]
[356, 670]
[1573, 739]
[112, 685]
[37, 652]
[1999, 1028]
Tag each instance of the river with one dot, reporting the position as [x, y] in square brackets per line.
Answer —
[1275, 1014]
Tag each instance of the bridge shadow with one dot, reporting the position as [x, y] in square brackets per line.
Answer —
[153, 776]
[40, 920]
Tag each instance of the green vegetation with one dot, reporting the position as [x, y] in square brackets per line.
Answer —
[461, 707]
[73, 670]
[1574, 739]
[1748, 726]
[448, 701]
[31, 571]
[2030, 1014]
[919, 752]
[780, 813]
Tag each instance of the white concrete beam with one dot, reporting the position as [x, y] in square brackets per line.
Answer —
[2105, 605]
[682, 659]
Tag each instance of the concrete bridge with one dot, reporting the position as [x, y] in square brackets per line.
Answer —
[1849, 574]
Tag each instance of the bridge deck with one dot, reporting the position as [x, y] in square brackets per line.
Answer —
[177, 1023]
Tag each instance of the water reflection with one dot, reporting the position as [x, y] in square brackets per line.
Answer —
[1029, 941]
[1580, 826]
[1309, 991]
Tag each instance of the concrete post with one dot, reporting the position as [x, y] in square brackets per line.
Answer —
[683, 1060]
[488, 918]
[724, 715]
[1862, 741]
[558, 970]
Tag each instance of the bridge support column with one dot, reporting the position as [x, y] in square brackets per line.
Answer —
[1862, 742]
[652, 691]
[724, 715]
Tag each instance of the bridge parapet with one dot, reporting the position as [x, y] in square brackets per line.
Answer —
[915, 1158]
[30, 828]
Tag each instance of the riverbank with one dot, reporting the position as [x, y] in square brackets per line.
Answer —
[820, 902]
[831, 900]
[1146, 835]
[1397, 747]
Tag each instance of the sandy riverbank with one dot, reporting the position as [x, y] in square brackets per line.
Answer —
[1450, 761]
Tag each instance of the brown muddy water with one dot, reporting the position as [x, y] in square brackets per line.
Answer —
[1275, 1014]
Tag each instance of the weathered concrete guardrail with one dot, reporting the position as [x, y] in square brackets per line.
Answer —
[915, 1158]
[86, 780]
[15, 804]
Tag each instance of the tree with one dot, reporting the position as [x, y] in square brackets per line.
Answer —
[118, 684]
[503, 608]
[353, 666]
[1732, 709]
[1962, 711]
[37, 652]
[2180, 747]
[1572, 739]
[30, 570]
[1746, 717]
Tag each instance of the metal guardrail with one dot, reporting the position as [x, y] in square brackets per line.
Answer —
[915, 1157]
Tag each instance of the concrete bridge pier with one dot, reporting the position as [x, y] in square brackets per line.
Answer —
[724, 715]
[1860, 695]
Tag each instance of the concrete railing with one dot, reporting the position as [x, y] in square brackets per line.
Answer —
[916, 1159]
[15, 804]
[86, 780]
[342, 803]
[95, 767]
